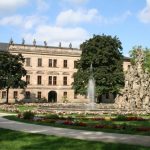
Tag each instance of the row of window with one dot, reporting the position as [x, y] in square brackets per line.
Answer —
[51, 63]
[39, 95]
[52, 80]
[27, 94]
[15, 94]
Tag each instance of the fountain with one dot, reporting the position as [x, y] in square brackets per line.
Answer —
[90, 107]
[91, 90]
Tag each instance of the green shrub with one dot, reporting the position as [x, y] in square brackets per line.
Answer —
[64, 99]
[28, 115]
[52, 116]
[42, 100]
[120, 118]
[125, 126]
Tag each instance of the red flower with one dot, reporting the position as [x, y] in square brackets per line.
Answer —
[68, 122]
[98, 119]
[100, 126]
[135, 119]
[143, 129]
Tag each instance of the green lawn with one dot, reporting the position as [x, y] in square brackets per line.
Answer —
[13, 140]
[25, 108]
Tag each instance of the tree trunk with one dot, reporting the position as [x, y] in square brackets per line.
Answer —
[7, 92]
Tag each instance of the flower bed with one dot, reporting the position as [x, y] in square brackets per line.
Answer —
[106, 123]
[135, 119]
[145, 129]
[86, 119]
[128, 118]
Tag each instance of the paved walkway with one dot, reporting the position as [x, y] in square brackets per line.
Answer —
[76, 134]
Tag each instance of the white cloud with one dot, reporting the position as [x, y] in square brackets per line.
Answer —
[77, 2]
[11, 20]
[75, 17]
[144, 14]
[32, 21]
[117, 19]
[71, 17]
[43, 5]
[38, 26]
[11, 5]
[24, 22]
[53, 35]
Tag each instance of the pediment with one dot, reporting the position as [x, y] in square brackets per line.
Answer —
[65, 73]
[29, 72]
[40, 72]
[53, 73]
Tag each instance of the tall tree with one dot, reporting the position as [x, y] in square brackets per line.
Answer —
[146, 53]
[11, 72]
[105, 54]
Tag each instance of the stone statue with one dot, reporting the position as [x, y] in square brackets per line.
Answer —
[70, 45]
[11, 42]
[34, 42]
[23, 41]
[45, 43]
[60, 44]
[136, 93]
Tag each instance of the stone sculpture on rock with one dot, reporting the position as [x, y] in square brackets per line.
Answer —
[136, 92]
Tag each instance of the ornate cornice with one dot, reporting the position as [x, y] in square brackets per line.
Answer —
[55, 51]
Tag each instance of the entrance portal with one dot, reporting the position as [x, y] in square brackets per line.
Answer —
[52, 97]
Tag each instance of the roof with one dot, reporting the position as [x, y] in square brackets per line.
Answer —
[126, 58]
[5, 47]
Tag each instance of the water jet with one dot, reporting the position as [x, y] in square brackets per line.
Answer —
[91, 90]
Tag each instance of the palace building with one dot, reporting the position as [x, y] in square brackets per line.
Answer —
[49, 73]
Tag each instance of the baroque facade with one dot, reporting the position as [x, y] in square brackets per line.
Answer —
[49, 73]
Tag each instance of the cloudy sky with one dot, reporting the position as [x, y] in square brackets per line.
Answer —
[75, 21]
